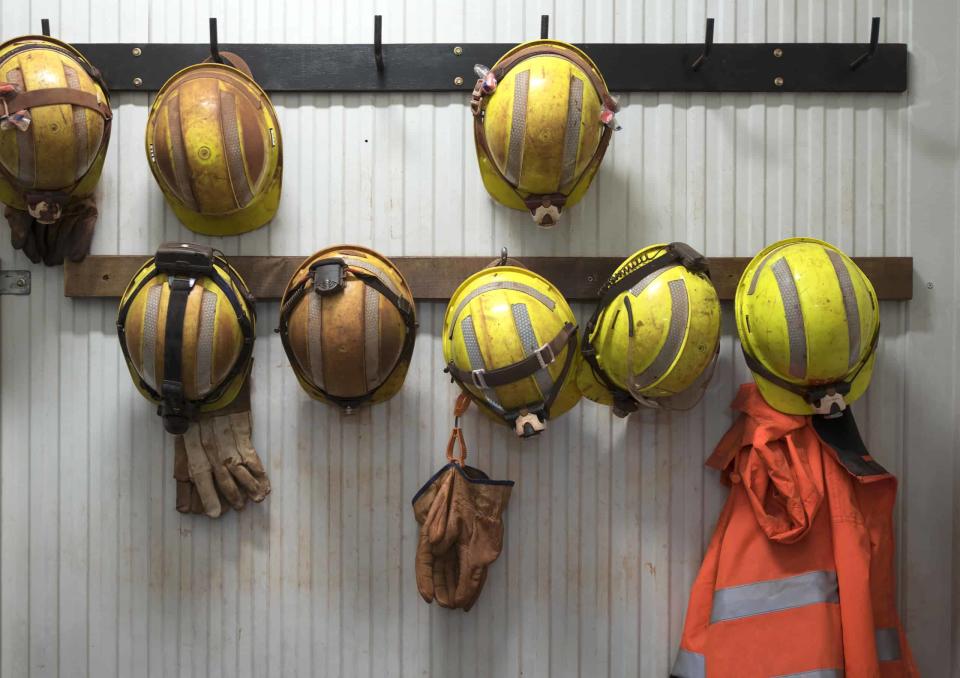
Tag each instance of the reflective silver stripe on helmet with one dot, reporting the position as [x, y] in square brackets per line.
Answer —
[571, 133]
[849, 305]
[518, 127]
[528, 340]
[232, 151]
[208, 316]
[476, 356]
[679, 311]
[760, 267]
[500, 285]
[178, 149]
[811, 588]
[371, 336]
[26, 169]
[148, 343]
[888, 645]
[645, 281]
[689, 665]
[79, 121]
[315, 338]
[372, 270]
[794, 315]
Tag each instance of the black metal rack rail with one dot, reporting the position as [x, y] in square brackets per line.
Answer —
[448, 67]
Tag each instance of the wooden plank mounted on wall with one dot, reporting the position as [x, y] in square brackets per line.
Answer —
[436, 278]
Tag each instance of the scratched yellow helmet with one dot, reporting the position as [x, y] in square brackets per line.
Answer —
[510, 342]
[543, 118]
[809, 322]
[56, 126]
[186, 325]
[213, 144]
[654, 336]
[348, 324]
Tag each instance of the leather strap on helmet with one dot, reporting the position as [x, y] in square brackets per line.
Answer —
[539, 359]
[176, 411]
[325, 276]
[184, 264]
[618, 283]
[478, 105]
[534, 362]
[59, 96]
[812, 395]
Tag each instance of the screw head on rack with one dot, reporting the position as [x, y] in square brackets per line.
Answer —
[136, 51]
[137, 82]
[778, 81]
[458, 81]
[777, 52]
[458, 50]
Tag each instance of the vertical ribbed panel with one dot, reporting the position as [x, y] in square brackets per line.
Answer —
[609, 519]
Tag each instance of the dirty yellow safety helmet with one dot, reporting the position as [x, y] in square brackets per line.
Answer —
[348, 325]
[809, 323]
[510, 342]
[213, 144]
[186, 325]
[55, 126]
[543, 119]
[654, 336]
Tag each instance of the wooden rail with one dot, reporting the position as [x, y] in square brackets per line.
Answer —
[436, 278]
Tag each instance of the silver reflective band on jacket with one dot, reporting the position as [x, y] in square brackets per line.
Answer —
[776, 594]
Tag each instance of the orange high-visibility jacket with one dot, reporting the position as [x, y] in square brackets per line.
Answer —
[798, 579]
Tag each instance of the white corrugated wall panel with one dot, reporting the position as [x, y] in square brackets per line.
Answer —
[100, 576]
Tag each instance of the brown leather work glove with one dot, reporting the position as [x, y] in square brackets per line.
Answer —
[460, 512]
[69, 237]
[215, 465]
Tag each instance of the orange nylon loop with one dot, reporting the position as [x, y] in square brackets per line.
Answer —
[463, 402]
[456, 435]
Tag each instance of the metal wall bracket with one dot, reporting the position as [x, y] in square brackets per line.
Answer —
[15, 282]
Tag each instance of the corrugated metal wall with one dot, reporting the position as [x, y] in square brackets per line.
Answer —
[608, 522]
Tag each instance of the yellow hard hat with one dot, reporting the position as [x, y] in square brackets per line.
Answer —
[186, 325]
[348, 324]
[510, 342]
[654, 336]
[809, 322]
[543, 118]
[213, 143]
[54, 153]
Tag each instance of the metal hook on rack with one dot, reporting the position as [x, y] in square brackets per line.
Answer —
[214, 43]
[504, 255]
[45, 27]
[544, 26]
[874, 40]
[707, 46]
[378, 41]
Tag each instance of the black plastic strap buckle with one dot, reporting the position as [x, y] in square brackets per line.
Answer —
[175, 410]
[184, 258]
[328, 276]
[624, 405]
[690, 258]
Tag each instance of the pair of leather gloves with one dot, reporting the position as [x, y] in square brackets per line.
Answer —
[460, 511]
[215, 464]
[68, 238]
